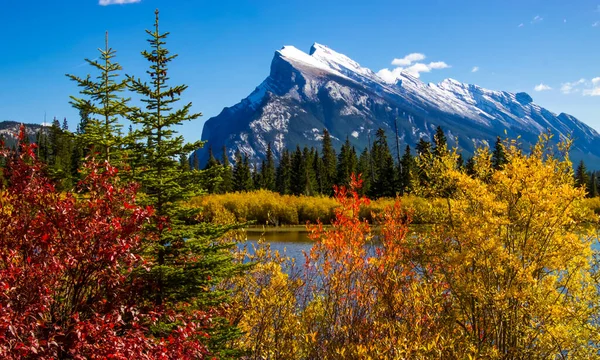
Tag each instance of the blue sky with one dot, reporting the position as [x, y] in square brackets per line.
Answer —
[225, 47]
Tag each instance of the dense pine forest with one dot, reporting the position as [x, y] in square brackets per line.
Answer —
[111, 248]
[304, 171]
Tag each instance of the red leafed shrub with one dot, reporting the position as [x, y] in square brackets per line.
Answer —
[67, 288]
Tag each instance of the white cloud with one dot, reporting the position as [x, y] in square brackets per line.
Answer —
[408, 59]
[571, 87]
[521, 25]
[542, 87]
[565, 21]
[595, 89]
[537, 19]
[475, 69]
[416, 69]
[596, 24]
[390, 76]
[117, 2]
[438, 65]
[410, 65]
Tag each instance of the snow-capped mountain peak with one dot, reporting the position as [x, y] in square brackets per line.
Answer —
[339, 62]
[307, 92]
[294, 54]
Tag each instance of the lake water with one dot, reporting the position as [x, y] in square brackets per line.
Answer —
[292, 241]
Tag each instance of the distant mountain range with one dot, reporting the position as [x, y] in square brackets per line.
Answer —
[306, 93]
[9, 131]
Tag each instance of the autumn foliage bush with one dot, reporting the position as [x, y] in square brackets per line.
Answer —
[354, 297]
[508, 272]
[271, 208]
[67, 264]
[265, 207]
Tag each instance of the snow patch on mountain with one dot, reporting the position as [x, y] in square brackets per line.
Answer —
[326, 89]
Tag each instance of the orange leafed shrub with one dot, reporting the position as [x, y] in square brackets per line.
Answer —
[508, 272]
[358, 295]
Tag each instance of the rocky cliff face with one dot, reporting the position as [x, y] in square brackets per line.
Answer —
[306, 93]
[9, 131]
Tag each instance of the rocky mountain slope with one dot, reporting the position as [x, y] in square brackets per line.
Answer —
[305, 93]
[10, 129]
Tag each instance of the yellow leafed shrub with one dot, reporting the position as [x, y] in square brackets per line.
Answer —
[508, 272]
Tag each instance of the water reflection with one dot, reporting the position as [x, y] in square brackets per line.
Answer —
[292, 242]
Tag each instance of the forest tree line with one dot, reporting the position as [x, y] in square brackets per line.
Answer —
[303, 171]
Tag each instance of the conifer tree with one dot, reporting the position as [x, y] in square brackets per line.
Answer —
[268, 170]
[470, 166]
[102, 105]
[195, 161]
[319, 170]
[311, 178]
[498, 155]
[188, 261]
[440, 142]
[347, 164]
[59, 155]
[212, 173]
[242, 176]
[184, 164]
[593, 186]
[256, 175]
[212, 161]
[423, 149]
[460, 162]
[582, 178]
[364, 168]
[227, 175]
[299, 182]
[383, 186]
[329, 163]
[41, 139]
[283, 175]
[407, 169]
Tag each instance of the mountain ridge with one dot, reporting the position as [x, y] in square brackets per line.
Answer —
[306, 92]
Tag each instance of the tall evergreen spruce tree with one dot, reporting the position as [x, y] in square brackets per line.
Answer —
[593, 186]
[498, 155]
[188, 261]
[60, 149]
[311, 178]
[242, 176]
[268, 170]
[470, 166]
[383, 186]
[347, 164]
[102, 106]
[440, 142]
[364, 168]
[319, 170]
[283, 174]
[227, 176]
[460, 162]
[299, 182]
[329, 163]
[423, 149]
[212, 173]
[256, 172]
[582, 178]
[406, 171]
